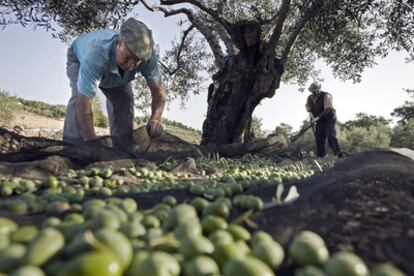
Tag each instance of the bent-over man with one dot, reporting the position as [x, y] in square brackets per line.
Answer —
[110, 60]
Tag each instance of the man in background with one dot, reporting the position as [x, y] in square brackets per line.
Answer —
[319, 104]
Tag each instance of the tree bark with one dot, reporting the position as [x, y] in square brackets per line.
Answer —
[245, 79]
[237, 89]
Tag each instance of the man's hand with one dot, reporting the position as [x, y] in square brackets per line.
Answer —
[315, 119]
[154, 128]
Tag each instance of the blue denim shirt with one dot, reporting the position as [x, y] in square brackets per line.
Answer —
[98, 67]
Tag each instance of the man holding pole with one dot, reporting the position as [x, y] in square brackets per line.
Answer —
[319, 104]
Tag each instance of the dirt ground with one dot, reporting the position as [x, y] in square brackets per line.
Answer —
[32, 121]
[30, 124]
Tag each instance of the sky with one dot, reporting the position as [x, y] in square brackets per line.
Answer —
[33, 67]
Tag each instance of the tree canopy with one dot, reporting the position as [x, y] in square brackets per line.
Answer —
[348, 35]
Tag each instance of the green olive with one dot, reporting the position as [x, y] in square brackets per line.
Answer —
[185, 230]
[180, 214]
[133, 229]
[227, 251]
[346, 264]
[24, 234]
[197, 189]
[105, 173]
[47, 243]
[105, 218]
[309, 270]
[129, 205]
[118, 244]
[269, 252]
[201, 266]
[238, 232]
[17, 206]
[151, 221]
[260, 236]
[386, 269]
[7, 226]
[11, 256]
[218, 209]
[249, 266]
[308, 248]
[212, 223]
[155, 264]
[196, 245]
[221, 237]
[91, 264]
[27, 270]
[199, 204]
[52, 182]
[170, 200]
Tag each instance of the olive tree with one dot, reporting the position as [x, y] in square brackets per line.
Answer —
[364, 120]
[8, 106]
[406, 111]
[357, 139]
[253, 45]
[403, 135]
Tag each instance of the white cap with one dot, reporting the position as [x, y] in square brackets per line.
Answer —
[315, 86]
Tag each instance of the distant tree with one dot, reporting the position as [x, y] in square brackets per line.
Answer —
[403, 135]
[99, 118]
[364, 120]
[255, 130]
[43, 109]
[357, 139]
[406, 111]
[284, 128]
[254, 45]
[8, 106]
[306, 142]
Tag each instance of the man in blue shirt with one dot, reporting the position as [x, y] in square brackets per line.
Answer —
[109, 60]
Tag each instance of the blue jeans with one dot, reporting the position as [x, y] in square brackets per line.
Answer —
[119, 104]
[325, 130]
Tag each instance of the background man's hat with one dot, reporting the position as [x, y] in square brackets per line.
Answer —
[138, 38]
[315, 86]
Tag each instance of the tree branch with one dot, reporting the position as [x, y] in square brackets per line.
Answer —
[274, 39]
[407, 48]
[178, 61]
[202, 7]
[300, 24]
[208, 34]
[224, 36]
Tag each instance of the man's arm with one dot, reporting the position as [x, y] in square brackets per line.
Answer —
[85, 117]
[157, 107]
[308, 103]
[326, 111]
[328, 107]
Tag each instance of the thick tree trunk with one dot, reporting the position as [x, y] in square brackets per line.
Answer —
[237, 89]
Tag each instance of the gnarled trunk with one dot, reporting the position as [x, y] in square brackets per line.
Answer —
[238, 88]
